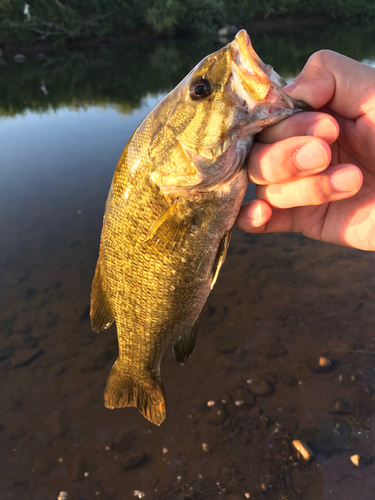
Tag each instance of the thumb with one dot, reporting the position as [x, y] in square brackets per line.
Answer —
[348, 86]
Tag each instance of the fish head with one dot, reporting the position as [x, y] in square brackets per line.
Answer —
[217, 108]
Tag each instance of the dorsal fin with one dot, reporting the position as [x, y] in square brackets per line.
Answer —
[100, 312]
[184, 345]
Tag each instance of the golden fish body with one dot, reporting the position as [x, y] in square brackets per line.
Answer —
[175, 195]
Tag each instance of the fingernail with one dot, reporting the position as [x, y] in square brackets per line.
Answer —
[255, 212]
[324, 129]
[311, 156]
[344, 179]
[290, 87]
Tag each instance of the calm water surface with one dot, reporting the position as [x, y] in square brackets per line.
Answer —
[281, 302]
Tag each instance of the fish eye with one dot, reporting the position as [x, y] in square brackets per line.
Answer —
[199, 89]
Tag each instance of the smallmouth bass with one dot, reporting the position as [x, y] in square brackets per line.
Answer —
[176, 192]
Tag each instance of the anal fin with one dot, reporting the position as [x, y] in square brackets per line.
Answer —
[184, 345]
[220, 256]
[100, 312]
[146, 394]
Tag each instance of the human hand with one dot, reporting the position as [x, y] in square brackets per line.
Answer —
[315, 171]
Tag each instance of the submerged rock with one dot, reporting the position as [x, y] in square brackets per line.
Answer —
[260, 387]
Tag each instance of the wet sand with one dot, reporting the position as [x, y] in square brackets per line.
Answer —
[281, 302]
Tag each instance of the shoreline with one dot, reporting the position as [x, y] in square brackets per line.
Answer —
[284, 23]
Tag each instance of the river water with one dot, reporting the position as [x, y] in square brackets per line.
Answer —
[281, 302]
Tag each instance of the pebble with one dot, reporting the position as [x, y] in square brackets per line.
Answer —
[243, 399]
[25, 358]
[134, 461]
[216, 415]
[303, 450]
[63, 495]
[138, 493]
[260, 387]
[361, 460]
[320, 364]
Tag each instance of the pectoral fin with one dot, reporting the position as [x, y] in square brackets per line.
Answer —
[220, 257]
[170, 228]
[100, 312]
[184, 345]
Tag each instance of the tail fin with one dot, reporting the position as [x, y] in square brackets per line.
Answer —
[146, 394]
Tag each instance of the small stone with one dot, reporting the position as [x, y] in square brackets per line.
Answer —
[205, 447]
[320, 364]
[124, 440]
[25, 358]
[361, 460]
[63, 495]
[134, 461]
[339, 406]
[243, 399]
[260, 387]
[288, 379]
[216, 416]
[303, 450]
[19, 58]
[138, 493]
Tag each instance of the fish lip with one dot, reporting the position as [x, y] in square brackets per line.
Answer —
[264, 83]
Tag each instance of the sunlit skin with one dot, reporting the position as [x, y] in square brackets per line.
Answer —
[315, 172]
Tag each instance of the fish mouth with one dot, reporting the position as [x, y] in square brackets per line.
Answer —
[253, 82]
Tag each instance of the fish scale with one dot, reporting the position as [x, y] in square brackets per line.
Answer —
[176, 192]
